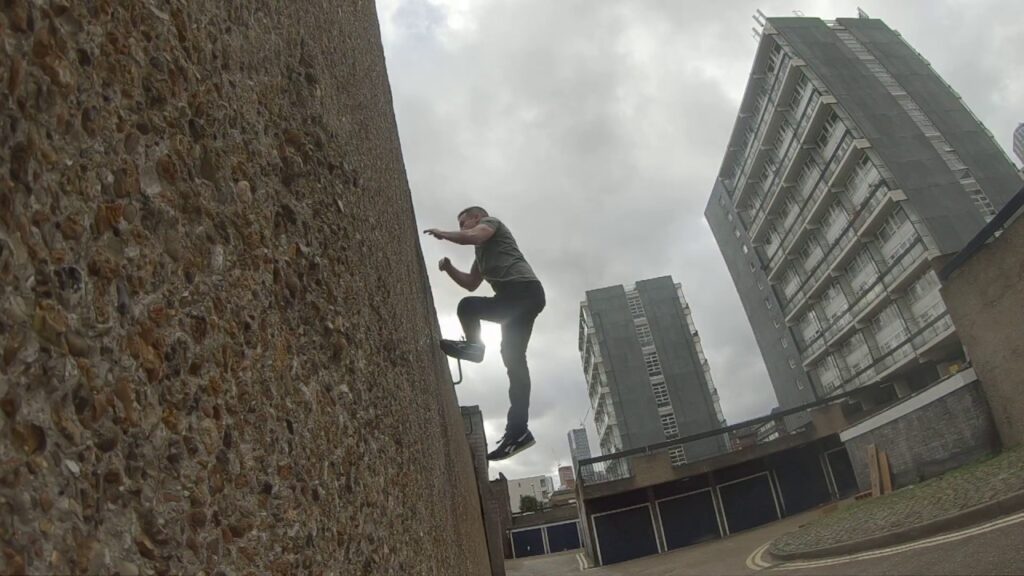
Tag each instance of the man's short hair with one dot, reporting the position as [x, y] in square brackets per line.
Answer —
[474, 211]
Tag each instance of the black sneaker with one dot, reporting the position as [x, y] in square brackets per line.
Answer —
[468, 351]
[511, 445]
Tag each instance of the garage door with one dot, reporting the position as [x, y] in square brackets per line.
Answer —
[843, 476]
[748, 502]
[562, 537]
[527, 542]
[625, 534]
[688, 519]
[801, 480]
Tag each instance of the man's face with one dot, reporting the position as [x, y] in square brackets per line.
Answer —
[468, 221]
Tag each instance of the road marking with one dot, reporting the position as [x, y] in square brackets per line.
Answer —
[934, 541]
[581, 561]
[756, 561]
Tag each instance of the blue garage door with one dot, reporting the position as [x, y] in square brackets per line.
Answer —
[688, 519]
[528, 542]
[625, 534]
[801, 480]
[842, 472]
[748, 502]
[562, 537]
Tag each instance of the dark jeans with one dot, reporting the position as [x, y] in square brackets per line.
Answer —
[515, 306]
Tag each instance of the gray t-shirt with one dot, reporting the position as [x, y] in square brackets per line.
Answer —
[499, 259]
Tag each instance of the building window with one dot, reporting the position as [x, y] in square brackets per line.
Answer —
[856, 353]
[636, 307]
[678, 455]
[834, 301]
[923, 287]
[643, 334]
[661, 394]
[669, 426]
[889, 328]
[653, 364]
[861, 271]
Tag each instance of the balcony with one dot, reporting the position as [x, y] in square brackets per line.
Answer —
[848, 162]
[873, 303]
[936, 337]
[877, 209]
[839, 331]
[907, 268]
[810, 124]
[814, 353]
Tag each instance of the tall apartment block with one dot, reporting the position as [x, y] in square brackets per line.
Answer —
[851, 170]
[579, 445]
[646, 373]
[1018, 141]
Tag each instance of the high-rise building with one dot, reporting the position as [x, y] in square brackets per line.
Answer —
[851, 169]
[566, 477]
[579, 445]
[1018, 141]
[579, 449]
[646, 373]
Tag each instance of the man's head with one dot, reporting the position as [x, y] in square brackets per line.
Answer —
[470, 217]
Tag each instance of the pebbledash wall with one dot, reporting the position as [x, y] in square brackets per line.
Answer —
[216, 336]
[986, 300]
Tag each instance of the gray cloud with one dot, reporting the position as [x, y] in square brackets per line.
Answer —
[595, 130]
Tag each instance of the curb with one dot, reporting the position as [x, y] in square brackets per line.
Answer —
[981, 513]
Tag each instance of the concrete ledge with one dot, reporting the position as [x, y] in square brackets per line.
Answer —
[982, 513]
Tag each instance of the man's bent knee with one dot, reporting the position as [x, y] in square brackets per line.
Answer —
[467, 307]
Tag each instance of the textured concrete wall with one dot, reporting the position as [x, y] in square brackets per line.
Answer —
[216, 338]
[476, 435]
[940, 436]
[985, 298]
[500, 508]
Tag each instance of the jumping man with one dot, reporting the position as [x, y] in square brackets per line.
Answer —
[518, 299]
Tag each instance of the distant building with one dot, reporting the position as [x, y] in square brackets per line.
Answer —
[744, 437]
[562, 497]
[1018, 142]
[537, 486]
[646, 373]
[851, 171]
[566, 477]
[771, 430]
[579, 447]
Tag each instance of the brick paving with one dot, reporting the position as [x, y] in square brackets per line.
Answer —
[948, 494]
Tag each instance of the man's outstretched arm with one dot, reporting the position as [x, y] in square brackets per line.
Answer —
[469, 280]
[474, 236]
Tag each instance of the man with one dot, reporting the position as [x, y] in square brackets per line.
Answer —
[518, 299]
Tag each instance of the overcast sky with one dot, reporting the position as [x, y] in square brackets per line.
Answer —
[595, 130]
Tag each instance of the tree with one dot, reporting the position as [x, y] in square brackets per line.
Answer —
[529, 504]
